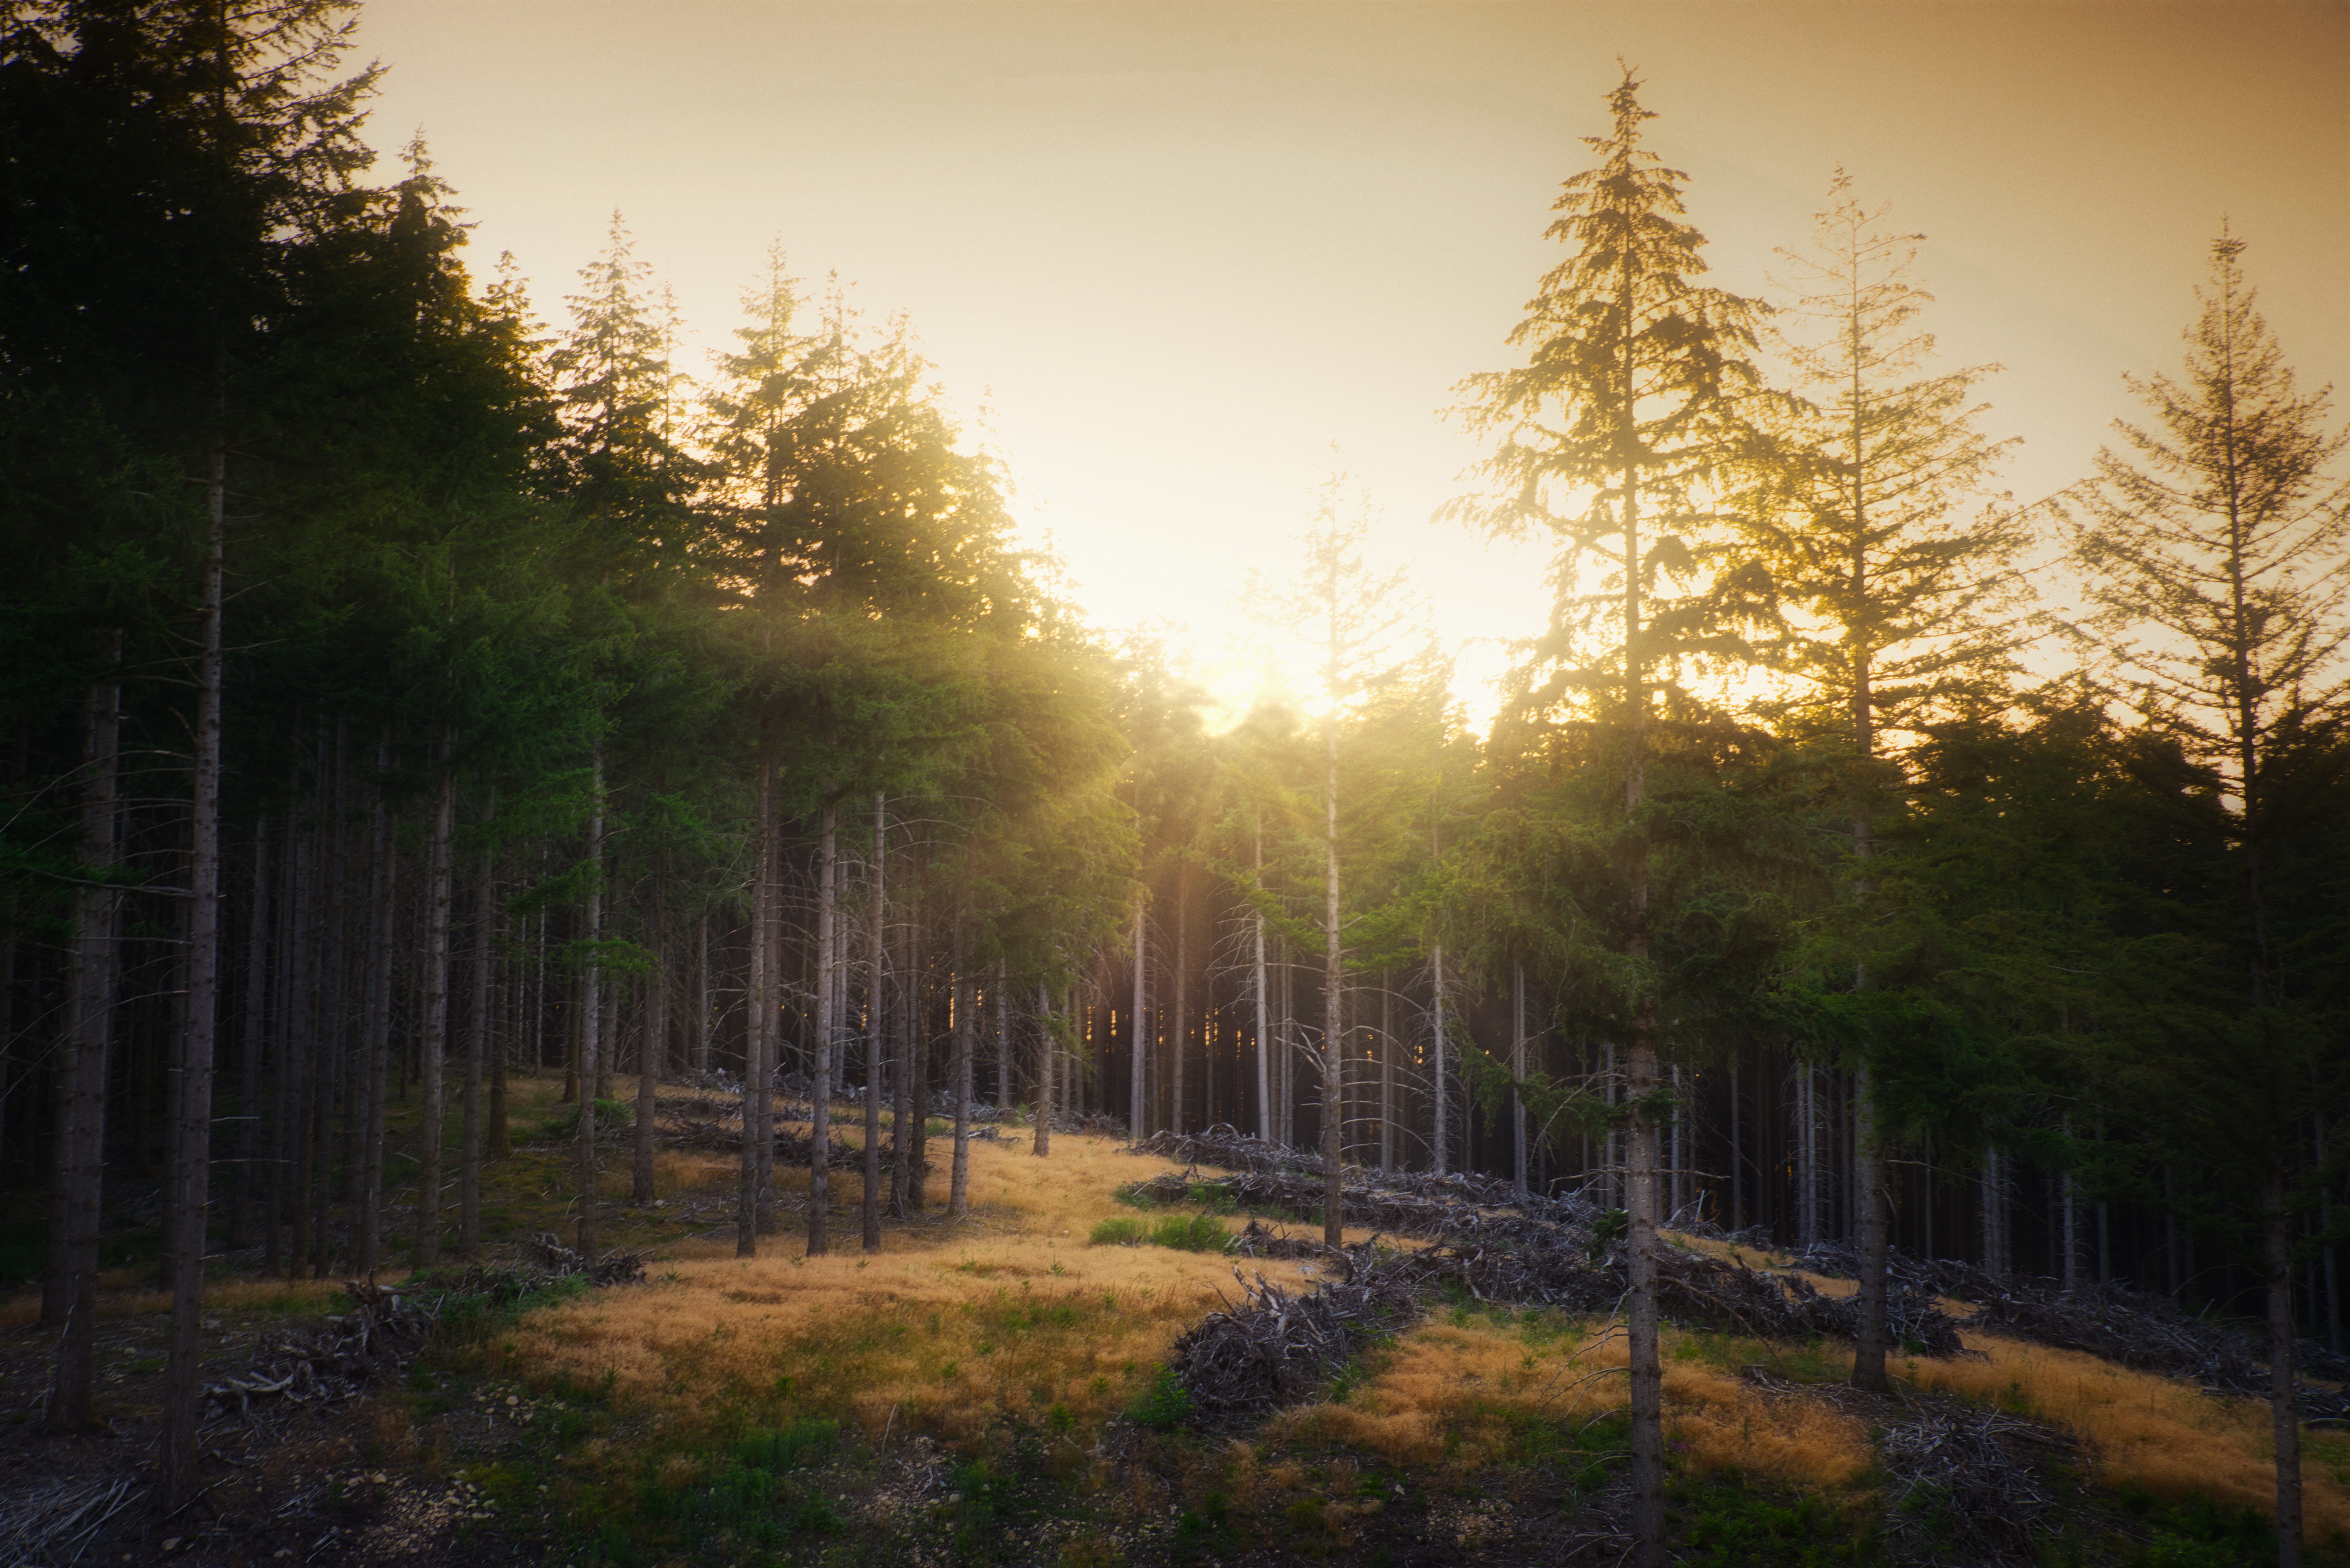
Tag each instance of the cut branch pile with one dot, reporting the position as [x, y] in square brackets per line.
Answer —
[1274, 1348]
[2141, 1332]
[386, 1327]
[1541, 1252]
[1966, 1485]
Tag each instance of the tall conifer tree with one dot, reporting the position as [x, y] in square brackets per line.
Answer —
[1612, 438]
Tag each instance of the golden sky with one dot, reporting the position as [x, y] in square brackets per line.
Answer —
[1180, 250]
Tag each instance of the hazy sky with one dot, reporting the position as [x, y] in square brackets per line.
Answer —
[1180, 250]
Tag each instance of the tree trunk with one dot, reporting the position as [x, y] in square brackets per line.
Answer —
[1265, 1121]
[1002, 993]
[2284, 1403]
[965, 1028]
[591, 1000]
[70, 1301]
[1044, 1044]
[913, 1074]
[1518, 1074]
[256, 982]
[755, 1004]
[828, 994]
[1138, 1099]
[1439, 1145]
[1386, 1074]
[1868, 1175]
[383, 920]
[654, 1047]
[477, 1052]
[1333, 1002]
[701, 993]
[875, 1012]
[435, 1044]
[190, 1174]
[1176, 1045]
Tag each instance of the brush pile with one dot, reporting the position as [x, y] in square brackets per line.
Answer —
[1494, 1245]
[1966, 1485]
[1272, 1348]
[2141, 1332]
[386, 1327]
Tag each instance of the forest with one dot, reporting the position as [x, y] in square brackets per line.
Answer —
[527, 863]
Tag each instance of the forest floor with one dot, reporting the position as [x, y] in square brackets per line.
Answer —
[991, 1391]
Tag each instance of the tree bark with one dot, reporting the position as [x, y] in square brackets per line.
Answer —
[875, 1012]
[756, 986]
[70, 1301]
[591, 998]
[477, 1052]
[653, 1049]
[1441, 1116]
[965, 1029]
[828, 1008]
[1176, 1045]
[432, 1051]
[1045, 1043]
[1138, 1119]
[192, 1132]
[256, 982]
[1334, 996]
[1868, 1176]
[2284, 1390]
[383, 920]
[1264, 1122]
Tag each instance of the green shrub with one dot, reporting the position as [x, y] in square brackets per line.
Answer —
[1117, 1234]
[787, 1446]
[1163, 1405]
[1200, 1233]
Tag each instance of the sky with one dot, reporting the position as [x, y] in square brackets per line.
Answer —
[1176, 262]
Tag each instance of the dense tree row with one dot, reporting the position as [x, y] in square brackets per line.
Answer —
[403, 694]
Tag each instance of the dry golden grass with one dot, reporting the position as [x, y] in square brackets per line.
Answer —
[1451, 1392]
[946, 1328]
[2154, 1432]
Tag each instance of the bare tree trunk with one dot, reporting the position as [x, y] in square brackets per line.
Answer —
[477, 1052]
[654, 1047]
[511, 982]
[1387, 1073]
[1044, 1064]
[1003, 990]
[913, 1072]
[382, 916]
[757, 1007]
[965, 1028]
[190, 1174]
[1284, 1044]
[1333, 998]
[70, 1301]
[1176, 1045]
[1137, 1117]
[828, 990]
[435, 1045]
[1869, 1168]
[256, 982]
[1518, 1074]
[771, 890]
[1440, 1144]
[701, 993]
[2284, 1403]
[875, 1012]
[591, 998]
[1265, 1118]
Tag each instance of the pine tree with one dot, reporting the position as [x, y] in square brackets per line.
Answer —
[1895, 592]
[2215, 545]
[1614, 437]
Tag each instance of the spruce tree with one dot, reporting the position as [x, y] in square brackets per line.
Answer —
[1896, 593]
[2217, 545]
[1613, 438]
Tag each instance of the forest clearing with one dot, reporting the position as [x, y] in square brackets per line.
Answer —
[993, 1388]
[606, 959]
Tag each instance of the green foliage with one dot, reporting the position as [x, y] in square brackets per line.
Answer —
[1733, 1527]
[1164, 1404]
